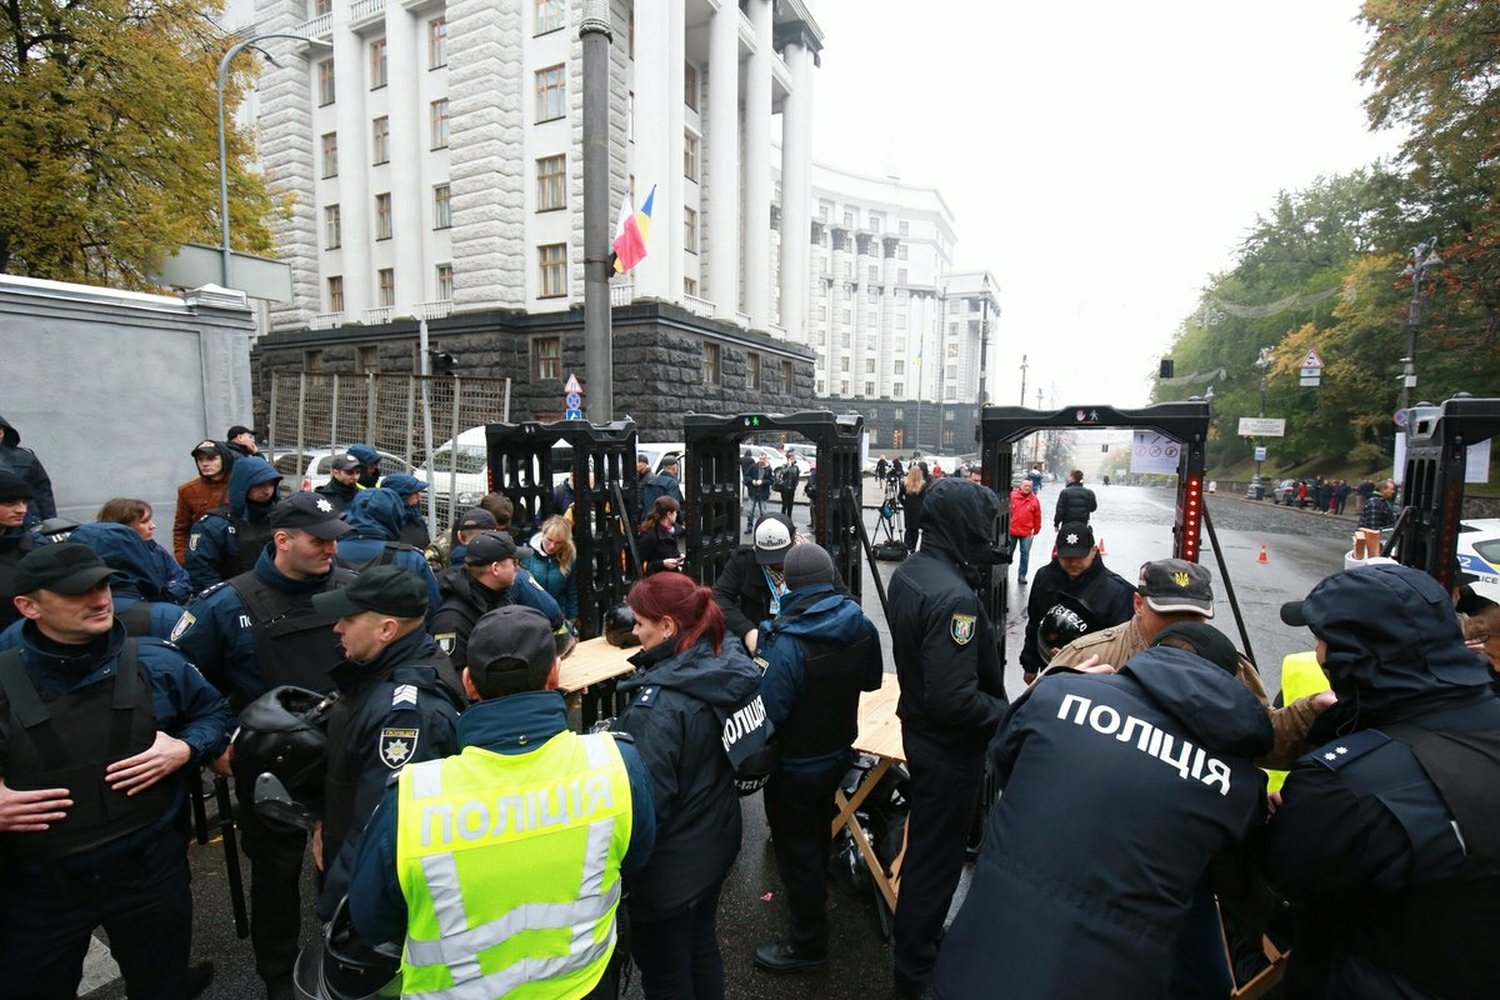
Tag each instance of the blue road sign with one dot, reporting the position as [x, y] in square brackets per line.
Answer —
[573, 414]
[574, 401]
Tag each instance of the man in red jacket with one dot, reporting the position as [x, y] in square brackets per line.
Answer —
[1025, 522]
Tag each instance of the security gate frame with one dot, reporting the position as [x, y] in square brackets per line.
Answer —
[714, 482]
[521, 466]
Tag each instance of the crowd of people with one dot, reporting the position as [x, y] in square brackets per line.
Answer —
[405, 690]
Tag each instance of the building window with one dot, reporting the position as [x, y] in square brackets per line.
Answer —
[552, 260]
[377, 64]
[325, 83]
[550, 16]
[712, 375]
[877, 221]
[899, 368]
[948, 438]
[844, 387]
[336, 293]
[874, 274]
[952, 372]
[689, 230]
[690, 86]
[368, 359]
[330, 154]
[949, 416]
[752, 371]
[551, 183]
[630, 127]
[551, 93]
[321, 7]
[870, 366]
[437, 42]
[333, 232]
[690, 156]
[312, 360]
[546, 358]
[690, 286]
[438, 116]
[788, 376]
[380, 135]
[383, 216]
[903, 228]
[387, 276]
[950, 393]
[952, 350]
[442, 206]
[901, 252]
[898, 390]
[445, 282]
[869, 388]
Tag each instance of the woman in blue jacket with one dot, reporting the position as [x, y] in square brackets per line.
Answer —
[549, 557]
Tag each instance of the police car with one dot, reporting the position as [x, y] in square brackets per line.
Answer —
[1479, 554]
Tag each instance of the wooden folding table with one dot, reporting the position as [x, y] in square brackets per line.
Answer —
[592, 668]
[880, 736]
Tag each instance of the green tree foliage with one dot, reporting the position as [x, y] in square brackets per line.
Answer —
[108, 141]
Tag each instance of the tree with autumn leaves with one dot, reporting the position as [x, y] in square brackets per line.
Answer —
[108, 138]
[1325, 268]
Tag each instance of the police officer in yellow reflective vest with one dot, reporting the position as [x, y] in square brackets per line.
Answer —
[502, 866]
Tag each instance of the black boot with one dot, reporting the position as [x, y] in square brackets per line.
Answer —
[783, 956]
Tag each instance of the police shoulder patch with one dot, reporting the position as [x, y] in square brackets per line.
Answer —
[1337, 754]
[647, 697]
[193, 542]
[183, 624]
[446, 642]
[404, 694]
[212, 589]
[962, 628]
[397, 746]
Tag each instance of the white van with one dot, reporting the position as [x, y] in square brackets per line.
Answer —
[458, 473]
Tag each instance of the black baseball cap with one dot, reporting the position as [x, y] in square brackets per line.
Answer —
[386, 590]
[13, 487]
[345, 462]
[489, 547]
[512, 638]
[1074, 540]
[237, 430]
[312, 512]
[476, 517]
[1169, 586]
[207, 446]
[65, 568]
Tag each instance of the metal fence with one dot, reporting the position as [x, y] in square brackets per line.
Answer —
[417, 422]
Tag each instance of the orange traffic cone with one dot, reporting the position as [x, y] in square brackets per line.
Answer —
[1102, 550]
[1262, 557]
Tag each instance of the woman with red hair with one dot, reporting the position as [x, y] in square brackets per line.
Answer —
[688, 681]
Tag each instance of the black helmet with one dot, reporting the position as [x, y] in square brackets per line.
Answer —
[343, 967]
[284, 732]
[56, 529]
[1066, 620]
[619, 627]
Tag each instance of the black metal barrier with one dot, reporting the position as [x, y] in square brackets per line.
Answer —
[1000, 427]
[713, 485]
[523, 464]
[1437, 442]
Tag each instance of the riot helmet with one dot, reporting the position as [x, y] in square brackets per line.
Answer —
[285, 732]
[344, 967]
[619, 627]
[1066, 620]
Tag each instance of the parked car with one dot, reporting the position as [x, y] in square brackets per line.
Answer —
[310, 468]
[1479, 554]
[458, 471]
[659, 452]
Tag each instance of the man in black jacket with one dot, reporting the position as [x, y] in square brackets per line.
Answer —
[343, 481]
[1387, 834]
[16, 538]
[751, 585]
[1075, 502]
[490, 577]
[1078, 572]
[952, 697]
[24, 463]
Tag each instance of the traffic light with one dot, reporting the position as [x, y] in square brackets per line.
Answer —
[1167, 368]
[443, 363]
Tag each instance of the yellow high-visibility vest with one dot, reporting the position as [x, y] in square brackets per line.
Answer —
[510, 865]
[1301, 675]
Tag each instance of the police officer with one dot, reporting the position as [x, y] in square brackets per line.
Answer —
[227, 540]
[1078, 571]
[16, 538]
[369, 465]
[254, 632]
[399, 700]
[952, 697]
[517, 748]
[1387, 833]
[376, 519]
[140, 600]
[96, 734]
[491, 577]
[413, 519]
[343, 481]
[820, 653]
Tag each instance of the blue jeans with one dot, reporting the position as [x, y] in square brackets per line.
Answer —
[755, 509]
[1023, 546]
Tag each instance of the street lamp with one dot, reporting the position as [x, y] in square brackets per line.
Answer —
[984, 337]
[1263, 362]
[1423, 257]
[235, 50]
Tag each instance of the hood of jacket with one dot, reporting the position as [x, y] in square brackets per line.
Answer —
[1209, 702]
[725, 680]
[406, 486]
[1394, 642]
[376, 513]
[957, 517]
[243, 475]
[8, 434]
[129, 555]
[819, 611]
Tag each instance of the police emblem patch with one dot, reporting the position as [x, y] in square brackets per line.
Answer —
[183, 624]
[193, 542]
[1181, 579]
[962, 628]
[446, 641]
[397, 746]
[324, 506]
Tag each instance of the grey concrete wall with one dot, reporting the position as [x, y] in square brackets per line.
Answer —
[112, 389]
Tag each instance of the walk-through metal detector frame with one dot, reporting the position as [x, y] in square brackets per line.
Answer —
[1002, 426]
[714, 484]
[521, 467]
[1437, 442]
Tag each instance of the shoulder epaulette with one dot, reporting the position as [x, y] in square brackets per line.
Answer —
[647, 696]
[621, 737]
[1339, 753]
[211, 589]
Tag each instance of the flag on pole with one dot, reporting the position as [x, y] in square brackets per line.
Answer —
[631, 231]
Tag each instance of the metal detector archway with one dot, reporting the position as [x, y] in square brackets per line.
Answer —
[521, 465]
[713, 484]
[1000, 427]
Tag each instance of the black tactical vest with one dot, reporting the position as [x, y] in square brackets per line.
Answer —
[68, 742]
[293, 643]
[250, 537]
[826, 717]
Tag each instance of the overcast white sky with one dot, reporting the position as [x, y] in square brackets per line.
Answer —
[1102, 159]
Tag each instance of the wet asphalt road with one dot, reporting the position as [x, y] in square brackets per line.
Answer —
[1134, 524]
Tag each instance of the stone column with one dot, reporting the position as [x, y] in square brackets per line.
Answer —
[410, 136]
[356, 202]
[723, 156]
[796, 190]
[758, 169]
[287, 156]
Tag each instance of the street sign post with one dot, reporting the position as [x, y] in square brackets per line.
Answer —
[1263, 427]
[572, 398]
[1310, 371]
